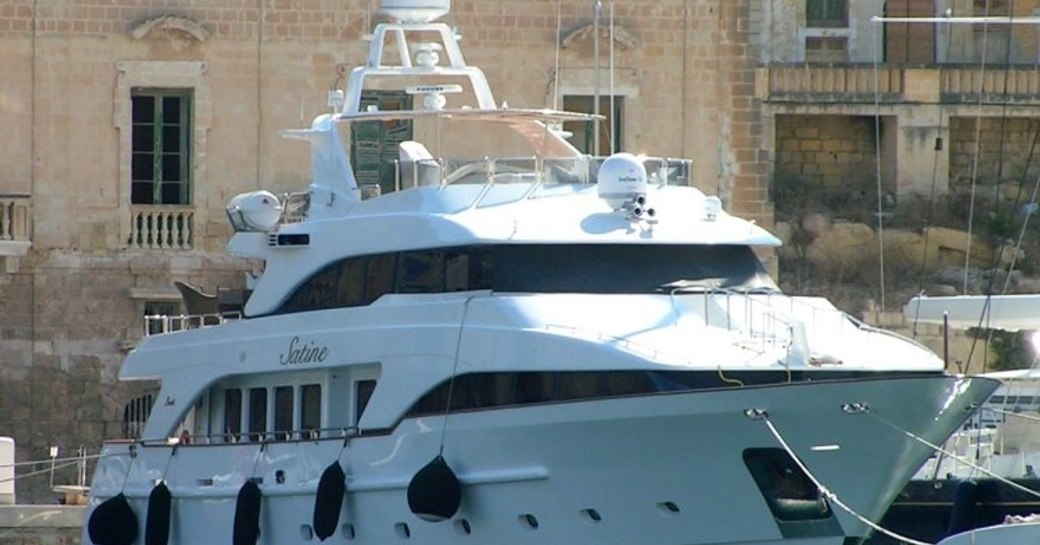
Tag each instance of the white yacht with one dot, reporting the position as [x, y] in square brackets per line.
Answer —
[547, 349]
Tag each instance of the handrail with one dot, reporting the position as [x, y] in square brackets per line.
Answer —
[158, 324]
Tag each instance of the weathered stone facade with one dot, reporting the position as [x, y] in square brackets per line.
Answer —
[80, 265]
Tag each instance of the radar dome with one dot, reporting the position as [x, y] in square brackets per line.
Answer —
[621, 180]
[254, 211]
[415, 11]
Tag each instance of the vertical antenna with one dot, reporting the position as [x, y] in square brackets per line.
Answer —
[613, 110]
[596, 6]
[556, 72]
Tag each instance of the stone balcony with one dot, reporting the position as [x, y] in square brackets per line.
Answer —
[15, 229]
[162, 227]
[827, 84]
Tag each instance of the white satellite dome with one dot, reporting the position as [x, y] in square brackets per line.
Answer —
[621, 180]
[255, 211]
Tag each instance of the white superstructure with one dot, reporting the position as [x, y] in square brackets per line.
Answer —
[497, 353]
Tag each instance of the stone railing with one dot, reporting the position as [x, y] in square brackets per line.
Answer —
[162, 227]
[855, 84]
[15, 217]
[842, 83]
[962, 84]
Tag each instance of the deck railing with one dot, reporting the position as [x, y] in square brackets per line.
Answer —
[15, 217]
[162, 227]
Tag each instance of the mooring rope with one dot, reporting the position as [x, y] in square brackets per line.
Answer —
[830, 495]
[952, 455]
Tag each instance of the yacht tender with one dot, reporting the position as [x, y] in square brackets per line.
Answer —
[552, 349]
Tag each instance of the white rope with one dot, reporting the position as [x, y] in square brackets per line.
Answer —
[51, 461]
[959, 459]
[39, 472]
[831, 496]
[1012, 413]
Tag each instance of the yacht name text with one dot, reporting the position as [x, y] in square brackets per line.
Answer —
[303, 352]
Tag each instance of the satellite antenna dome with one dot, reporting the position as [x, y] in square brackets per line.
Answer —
[254, 211]
[622, 180]
[415, 11]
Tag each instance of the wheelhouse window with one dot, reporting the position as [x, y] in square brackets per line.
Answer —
[541, 268]
[160, 161]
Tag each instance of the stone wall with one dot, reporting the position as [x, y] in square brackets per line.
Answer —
[1007, 150]
[827, 153]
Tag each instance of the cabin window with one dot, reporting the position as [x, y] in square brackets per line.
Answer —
[363, 390]
[232, 414]
[378, 276]
[310, 410]
[420, 272]
[135, 415]
[283, 413]
[160, 164]
[257, 413]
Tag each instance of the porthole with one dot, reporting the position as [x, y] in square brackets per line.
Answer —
[530, 521]
[462, 525]
[348, 531]
[591, 515]
[668, 508]
[403, 531]
[306, 532]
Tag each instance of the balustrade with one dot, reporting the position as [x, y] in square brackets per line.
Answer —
[162, 227]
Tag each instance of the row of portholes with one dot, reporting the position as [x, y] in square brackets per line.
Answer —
[527, 520]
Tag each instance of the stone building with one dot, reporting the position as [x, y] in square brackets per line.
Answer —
[129, 124]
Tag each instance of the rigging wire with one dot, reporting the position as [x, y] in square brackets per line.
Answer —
[931, 195]
[877, 167]
[613, 109]
[556, 62]
[975, 156]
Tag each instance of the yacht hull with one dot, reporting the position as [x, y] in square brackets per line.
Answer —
[658, 469]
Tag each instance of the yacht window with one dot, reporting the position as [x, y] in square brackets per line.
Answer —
[310, 410]
[232, 414]
[257, 413]
[533, 268]
[350, 292]
[135, 415]
[420, 272]
[378, 276]
[472, 391]
[283, 413]
[363, 390]
[592, 268]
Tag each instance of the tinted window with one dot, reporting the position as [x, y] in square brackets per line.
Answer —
[310, 410]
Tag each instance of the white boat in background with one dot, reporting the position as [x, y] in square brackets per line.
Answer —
[1016, 533]
[539, 348]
